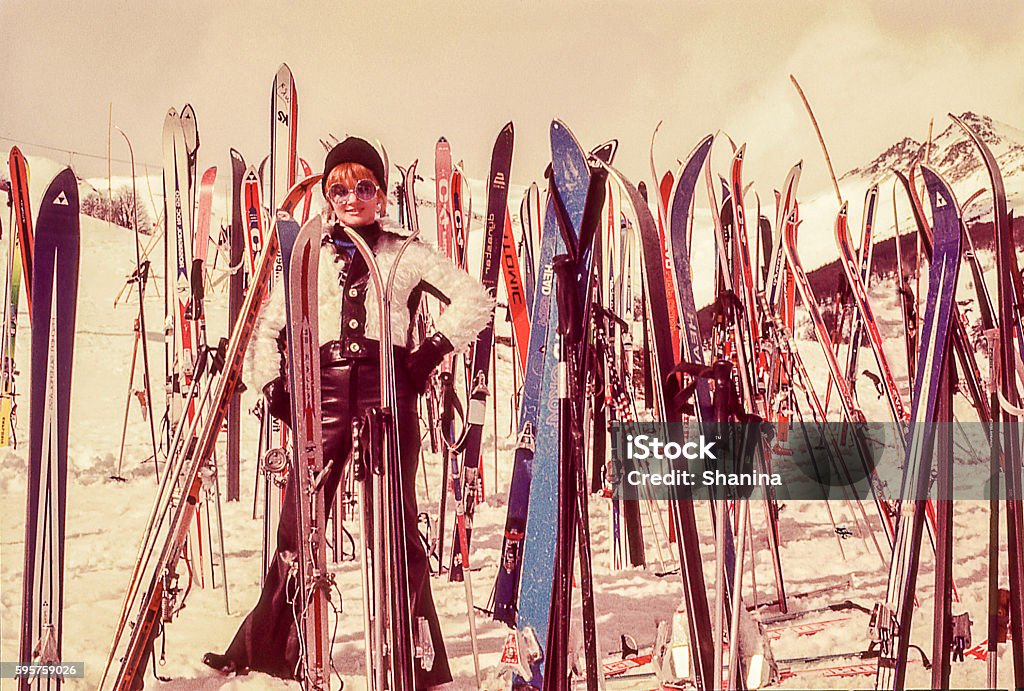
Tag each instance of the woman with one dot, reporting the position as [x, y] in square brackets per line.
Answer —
[355, 186]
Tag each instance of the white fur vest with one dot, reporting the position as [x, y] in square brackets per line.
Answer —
[468, 312]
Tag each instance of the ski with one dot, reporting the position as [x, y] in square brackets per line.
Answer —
[442, 180]
[866, 319]
[19, 272]
[55, 258]
[688, 540]
[539, 455]
[22, 219]
[397, 656]
[961, 342]
[578, 190]
[864, 258]
[200, 249]
[893, 619]
[9, 330]
[301, 262]
[252, 213]
[538, 360]
[691, 349]
[459, 212]
[470, 444]
[515, 293]
[274, 474]
[190, 129]
[178, 224]
[236, 288]
[547, 484]
[284, 116]
[307, 202]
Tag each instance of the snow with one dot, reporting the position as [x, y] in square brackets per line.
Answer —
[105, 518]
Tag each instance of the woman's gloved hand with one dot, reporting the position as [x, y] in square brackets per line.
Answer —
[279, 400]
[425, 358]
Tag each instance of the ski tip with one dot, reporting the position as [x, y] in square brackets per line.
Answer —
[974, 136]
[190, 127]
[606, 152]
[933, 180]
[62, 192]
[702, 149]
[65, 177]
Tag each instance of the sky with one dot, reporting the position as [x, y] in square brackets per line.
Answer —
[407, 73]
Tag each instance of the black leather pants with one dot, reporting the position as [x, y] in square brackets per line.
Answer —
[267, 640]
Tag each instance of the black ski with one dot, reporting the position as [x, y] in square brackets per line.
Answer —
[54, 299]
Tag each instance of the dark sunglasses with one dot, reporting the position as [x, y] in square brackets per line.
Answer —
[365, 191]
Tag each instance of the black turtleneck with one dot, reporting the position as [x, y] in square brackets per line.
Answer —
[343, 245]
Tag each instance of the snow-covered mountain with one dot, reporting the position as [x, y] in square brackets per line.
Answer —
[955, 157]
[951, 152]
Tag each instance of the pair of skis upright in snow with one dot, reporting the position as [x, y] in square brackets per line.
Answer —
[186, 241]
[546, 489]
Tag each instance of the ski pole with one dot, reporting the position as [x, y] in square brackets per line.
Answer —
[127, 404]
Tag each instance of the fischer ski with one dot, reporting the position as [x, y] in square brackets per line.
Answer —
[55, 294]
